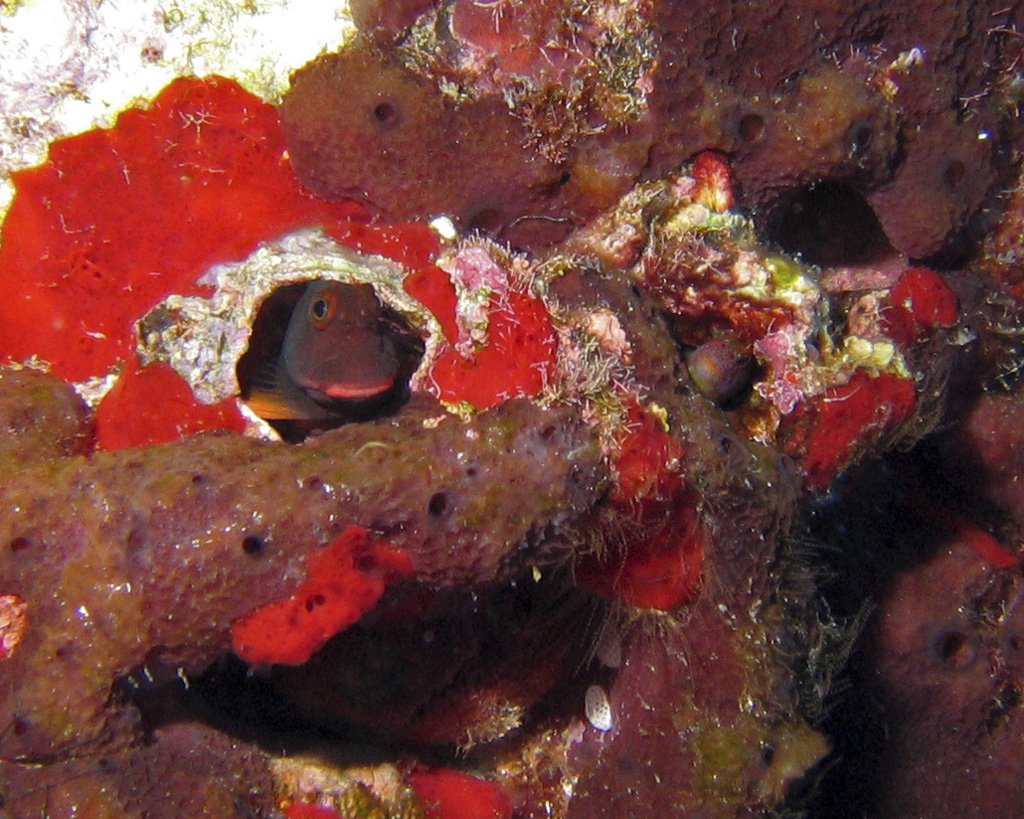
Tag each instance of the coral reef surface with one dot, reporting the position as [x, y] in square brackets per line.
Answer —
[693, 485]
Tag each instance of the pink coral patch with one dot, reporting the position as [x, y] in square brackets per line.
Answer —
[714, 188]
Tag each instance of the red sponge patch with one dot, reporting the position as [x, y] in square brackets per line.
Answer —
[833, 430]
[448, 794]
[154, 405]
[662, 564]
[343, 582]
[517, 359]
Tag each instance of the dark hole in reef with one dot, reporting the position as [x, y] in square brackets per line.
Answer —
[366, 562]
[751, 128]
[380, 665]
[253, 545]
[954, 649]
[438, 504]
[155, 686]
[829, 224]
[315, 601]
[259, 373]
[954, 174]
[487, 220]
[20, 543]
[860, 137]
[557, 183]
[386, 114]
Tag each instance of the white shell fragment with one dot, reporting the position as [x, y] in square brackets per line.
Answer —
[597, 708]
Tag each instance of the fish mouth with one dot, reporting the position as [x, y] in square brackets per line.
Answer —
[329, 393]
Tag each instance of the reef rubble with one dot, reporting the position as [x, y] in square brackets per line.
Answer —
[696, 493]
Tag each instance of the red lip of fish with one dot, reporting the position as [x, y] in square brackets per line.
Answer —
[349, 391]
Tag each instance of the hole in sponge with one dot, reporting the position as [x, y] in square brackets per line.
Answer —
[386, 114]
[830, 224]
[751, 128]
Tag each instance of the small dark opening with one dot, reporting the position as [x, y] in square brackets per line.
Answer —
[438, 504]
[954, 649]
[861, 135]
[252, 545]
[486, 220]
[20, 543]
[366, 562]
[751, 128]
[830, 224]
[954, 174]
[387, 115]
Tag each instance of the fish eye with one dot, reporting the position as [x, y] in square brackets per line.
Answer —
[321, 309]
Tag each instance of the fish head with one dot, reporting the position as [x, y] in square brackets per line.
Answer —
[337, 346]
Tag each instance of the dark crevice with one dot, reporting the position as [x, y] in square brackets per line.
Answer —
[830, 224]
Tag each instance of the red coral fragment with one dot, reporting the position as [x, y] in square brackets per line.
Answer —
[838, 426]
[921, 300]
[985, 545]
[413, 244]
[448, 794]
[154, 405]
[517, 359]
[661, 566]
[343, 582]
